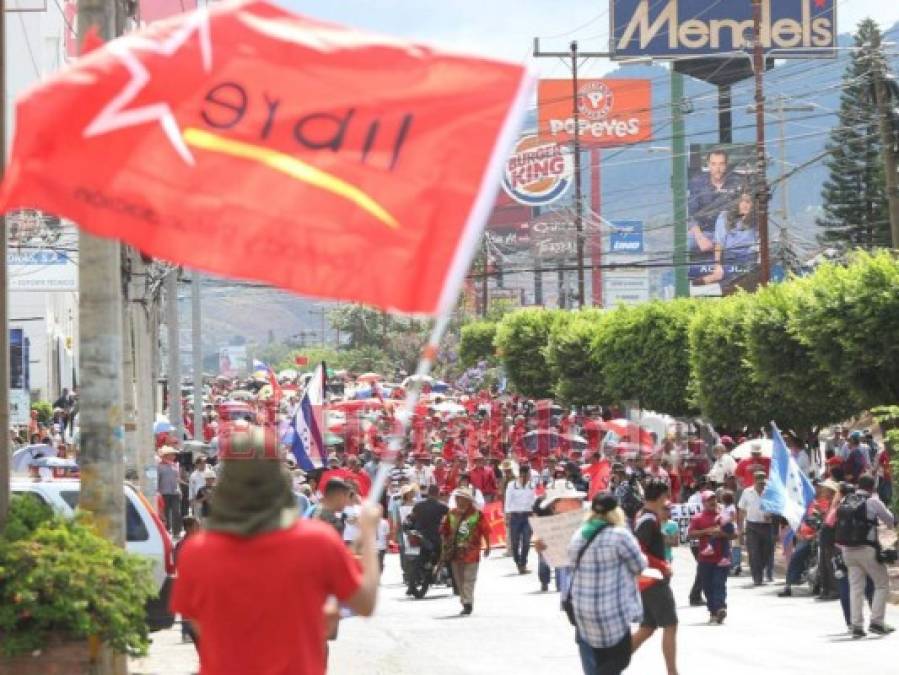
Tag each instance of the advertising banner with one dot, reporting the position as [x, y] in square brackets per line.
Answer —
[671, 29]
[681, 514]
[611, 112]
[625, 287]
[19, 407]
[33, 269]
[627, 237]
[233, 361]
[538, 172]
[722, 234]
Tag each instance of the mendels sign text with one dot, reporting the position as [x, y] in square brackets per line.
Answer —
[676, 28]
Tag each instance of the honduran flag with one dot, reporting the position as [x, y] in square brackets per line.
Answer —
[308, 445]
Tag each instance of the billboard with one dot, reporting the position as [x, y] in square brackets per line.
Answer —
[625, 287]
[611, 112]
[671, 29]
[32, 269]
[626, 237]
[538, 172]
[722, 234]
[233, 361]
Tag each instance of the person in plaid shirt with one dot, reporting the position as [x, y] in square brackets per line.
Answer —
[604, 591]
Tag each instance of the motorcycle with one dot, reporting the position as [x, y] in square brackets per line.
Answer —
[423, 558]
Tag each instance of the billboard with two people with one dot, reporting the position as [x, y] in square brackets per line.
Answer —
[722, 232]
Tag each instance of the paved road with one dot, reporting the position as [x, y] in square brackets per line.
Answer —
[516, 629]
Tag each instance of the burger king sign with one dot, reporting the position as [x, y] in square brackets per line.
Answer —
[538, 172]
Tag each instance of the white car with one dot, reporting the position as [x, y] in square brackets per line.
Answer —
[145, 535]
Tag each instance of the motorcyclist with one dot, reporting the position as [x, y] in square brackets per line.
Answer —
[425, 519]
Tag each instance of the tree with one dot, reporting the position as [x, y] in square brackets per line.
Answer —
[568, 353]
[722, 381]
[849, 319]
[811, 396]
[854, 195]
[643, 352]
[476, 343]
[520, 339]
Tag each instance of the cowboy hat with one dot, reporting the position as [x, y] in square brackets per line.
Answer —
[830, 484]
[463, 493]
[560, 489]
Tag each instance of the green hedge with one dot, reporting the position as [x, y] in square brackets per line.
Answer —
[476, 343]
[806, 352]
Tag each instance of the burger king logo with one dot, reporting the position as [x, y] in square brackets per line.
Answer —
[538, 172]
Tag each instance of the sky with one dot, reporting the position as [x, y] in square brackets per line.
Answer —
[506, 28]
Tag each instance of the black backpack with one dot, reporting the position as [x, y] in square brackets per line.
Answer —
[853, 526]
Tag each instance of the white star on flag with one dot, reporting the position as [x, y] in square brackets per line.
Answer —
[116, 115]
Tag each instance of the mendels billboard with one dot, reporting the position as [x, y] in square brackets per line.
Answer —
[671, 29]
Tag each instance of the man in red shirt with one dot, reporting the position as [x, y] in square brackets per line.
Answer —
[599, 471]
[255, 584]
[462, 531]
[747, 467]
[713, 567]
[483, 478]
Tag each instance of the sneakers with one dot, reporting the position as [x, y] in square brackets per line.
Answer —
[721, 615]
[787, 592]
[880, 628]
[544, 587]
[696, 602]
[466, 610]
[858, 632]
[523, 570]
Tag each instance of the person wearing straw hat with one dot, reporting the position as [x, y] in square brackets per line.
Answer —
[463, 530]
[561, 497]
[808, 531]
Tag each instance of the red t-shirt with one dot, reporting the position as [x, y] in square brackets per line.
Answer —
[708, 551]
[258, 600]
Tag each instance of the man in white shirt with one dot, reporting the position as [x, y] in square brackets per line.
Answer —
[421, 474]
[755, 527]
[196, 481]
[724, 465]
[520, 496]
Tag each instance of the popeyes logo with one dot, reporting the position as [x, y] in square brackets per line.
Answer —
[610, 112]
[537, 172]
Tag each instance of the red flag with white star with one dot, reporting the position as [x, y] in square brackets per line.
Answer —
[250, 142]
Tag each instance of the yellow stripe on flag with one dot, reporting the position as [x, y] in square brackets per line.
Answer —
[290, 166]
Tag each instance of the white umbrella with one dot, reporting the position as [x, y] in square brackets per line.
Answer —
[450, 407]
[23, 457]
[743, 450]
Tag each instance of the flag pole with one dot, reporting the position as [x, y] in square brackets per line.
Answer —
[468, 244]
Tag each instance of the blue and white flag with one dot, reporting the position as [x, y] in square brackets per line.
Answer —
[789, 491]
[308, 445]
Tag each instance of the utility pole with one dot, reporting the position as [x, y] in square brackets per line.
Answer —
[578, 201]
[101, 459]
[100, 321]
[146, 333]
[4, 294]
[761, 203]
[679, 184]
[173, 372]
[196, 336]
[888, 141]
[574, 54]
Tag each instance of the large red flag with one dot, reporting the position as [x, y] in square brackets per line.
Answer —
[250, 142]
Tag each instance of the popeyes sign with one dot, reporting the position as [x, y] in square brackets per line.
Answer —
[610, 112]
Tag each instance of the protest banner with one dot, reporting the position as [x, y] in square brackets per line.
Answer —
[556, 533]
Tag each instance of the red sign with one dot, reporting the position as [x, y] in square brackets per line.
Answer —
[610, 112]
[247, 141]
[493, 513]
